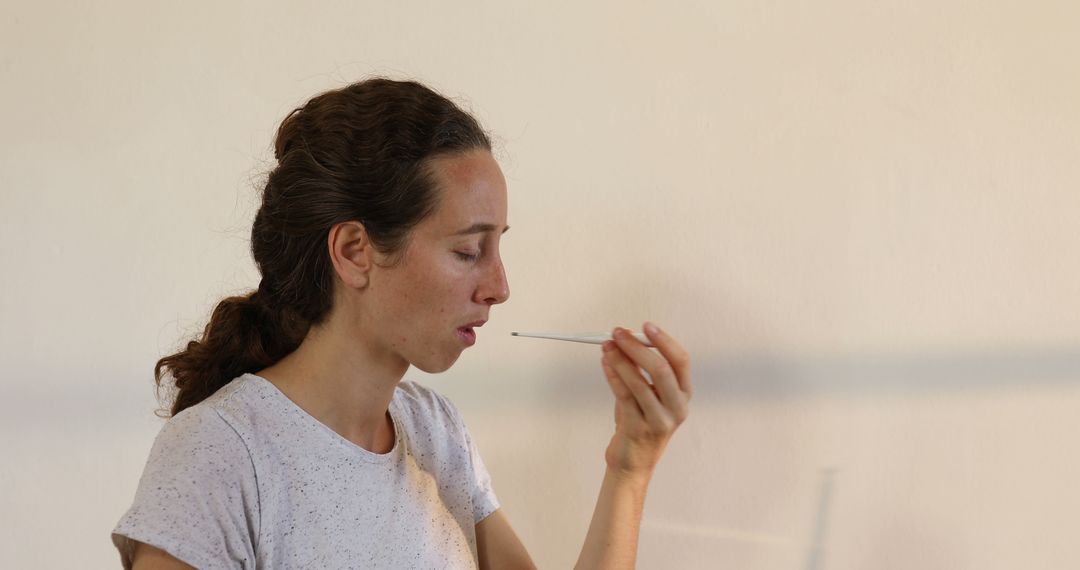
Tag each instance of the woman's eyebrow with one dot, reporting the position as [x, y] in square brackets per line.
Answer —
[479, 228]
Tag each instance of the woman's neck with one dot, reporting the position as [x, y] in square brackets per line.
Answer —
[344, 381]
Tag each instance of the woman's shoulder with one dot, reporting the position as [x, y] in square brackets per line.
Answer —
[415, 390]
[425, 400]
[211, 423]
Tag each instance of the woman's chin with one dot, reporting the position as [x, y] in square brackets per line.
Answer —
[434, 366]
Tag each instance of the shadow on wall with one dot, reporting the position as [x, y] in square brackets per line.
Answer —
[765, 376]
[768, 376]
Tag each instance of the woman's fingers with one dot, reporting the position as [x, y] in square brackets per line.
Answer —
[663, 373]
[646, 414]
[618, 387]
[654, 411]
[677, 356]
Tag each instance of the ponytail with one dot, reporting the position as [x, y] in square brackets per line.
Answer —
[245, 334]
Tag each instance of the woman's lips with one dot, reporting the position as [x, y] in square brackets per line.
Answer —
[467, 335]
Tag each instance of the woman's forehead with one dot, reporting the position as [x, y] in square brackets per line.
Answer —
[481, 228]
[472, 194]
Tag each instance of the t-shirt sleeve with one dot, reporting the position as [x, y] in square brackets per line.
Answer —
[484, 500]
[197, 498]
[483, 494]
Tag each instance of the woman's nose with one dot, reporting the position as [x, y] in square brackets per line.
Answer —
[495, 289]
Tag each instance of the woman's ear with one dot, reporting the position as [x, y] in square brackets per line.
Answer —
[351, 252]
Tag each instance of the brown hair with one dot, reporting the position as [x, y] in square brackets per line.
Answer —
[357, 153]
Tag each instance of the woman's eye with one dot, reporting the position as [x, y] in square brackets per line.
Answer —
[468, 256]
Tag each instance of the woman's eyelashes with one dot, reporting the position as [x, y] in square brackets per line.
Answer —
[465, 256]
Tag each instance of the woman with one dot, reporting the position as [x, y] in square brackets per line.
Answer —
[293, 441]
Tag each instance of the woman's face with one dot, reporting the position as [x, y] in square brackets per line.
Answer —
[429, 304]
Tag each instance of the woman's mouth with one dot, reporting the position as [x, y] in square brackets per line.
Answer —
[467, 335]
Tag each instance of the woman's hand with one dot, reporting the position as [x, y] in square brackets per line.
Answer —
[646, 415]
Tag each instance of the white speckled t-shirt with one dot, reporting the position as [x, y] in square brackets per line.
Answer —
[247, 479]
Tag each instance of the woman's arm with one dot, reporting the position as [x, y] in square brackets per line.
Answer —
[147, 557]
[498, 546]
[646, 416]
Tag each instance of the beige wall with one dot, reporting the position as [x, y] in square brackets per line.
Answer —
[860, 216]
